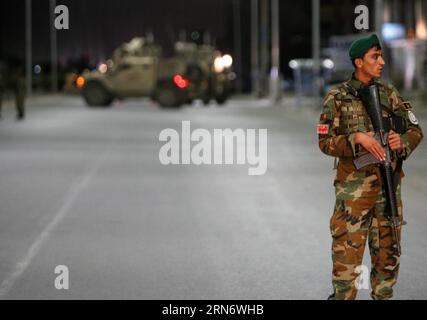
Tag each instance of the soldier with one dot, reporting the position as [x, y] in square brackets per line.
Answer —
[345, 131]
[18, 83]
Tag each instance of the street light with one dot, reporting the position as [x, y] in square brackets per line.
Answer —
[275, 90]
[53, 47]
[315, 30]
[28, 49]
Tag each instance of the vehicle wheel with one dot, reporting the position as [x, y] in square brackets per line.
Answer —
[95, 94]
[168, 96]
[189, 101]
[221, 99]
[206, 101]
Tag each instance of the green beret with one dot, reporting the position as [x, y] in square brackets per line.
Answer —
[359, 47]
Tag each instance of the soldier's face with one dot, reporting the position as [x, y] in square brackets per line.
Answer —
[372, 63]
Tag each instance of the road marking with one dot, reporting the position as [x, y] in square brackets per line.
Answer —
[75, 189]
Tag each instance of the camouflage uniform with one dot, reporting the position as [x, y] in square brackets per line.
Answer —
[359, 212]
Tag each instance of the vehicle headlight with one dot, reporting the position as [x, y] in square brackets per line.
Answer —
[103, 68]
[227, 60]
[218, 65]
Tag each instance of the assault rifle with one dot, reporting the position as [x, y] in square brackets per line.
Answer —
[371, 100]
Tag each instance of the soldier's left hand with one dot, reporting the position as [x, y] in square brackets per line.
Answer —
[394, 141]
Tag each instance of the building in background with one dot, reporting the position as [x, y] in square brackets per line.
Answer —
[405, 34]
[403, 30]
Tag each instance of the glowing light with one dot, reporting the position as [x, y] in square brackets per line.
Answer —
[274, 72]
[180, 82]
[37, 69]
[227, 60]
[218, 65]
[421, 29]
[293, 64]
[328, 64]
[103, 68]
[80, 81]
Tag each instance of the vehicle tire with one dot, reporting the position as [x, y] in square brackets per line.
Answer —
[221, 99]
[206, 100]
[168, 96]
[96, 95]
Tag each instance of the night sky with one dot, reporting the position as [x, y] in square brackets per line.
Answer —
[99, 26]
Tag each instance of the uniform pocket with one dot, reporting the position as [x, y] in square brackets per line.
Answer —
[338, 223]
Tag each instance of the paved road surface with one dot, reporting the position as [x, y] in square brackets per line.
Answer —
[85, 188]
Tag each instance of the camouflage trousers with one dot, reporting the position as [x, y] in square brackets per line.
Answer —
[359, 215]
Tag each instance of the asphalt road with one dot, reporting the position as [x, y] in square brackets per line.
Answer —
[85, 188]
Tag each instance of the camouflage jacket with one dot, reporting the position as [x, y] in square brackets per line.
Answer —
[343, 115]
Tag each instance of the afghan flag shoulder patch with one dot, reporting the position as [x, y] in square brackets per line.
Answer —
[322, 128]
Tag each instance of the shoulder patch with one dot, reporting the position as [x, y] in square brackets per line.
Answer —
[322, 129]
[324, 116]
[412, 118]
[347, 89]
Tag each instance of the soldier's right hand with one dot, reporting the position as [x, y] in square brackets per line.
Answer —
[368, 142]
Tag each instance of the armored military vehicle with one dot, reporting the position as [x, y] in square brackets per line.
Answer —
[209, 73]
[137, 69]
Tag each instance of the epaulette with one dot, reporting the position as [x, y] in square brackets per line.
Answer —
[334, 91]
[346, 88]
[332, 94]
